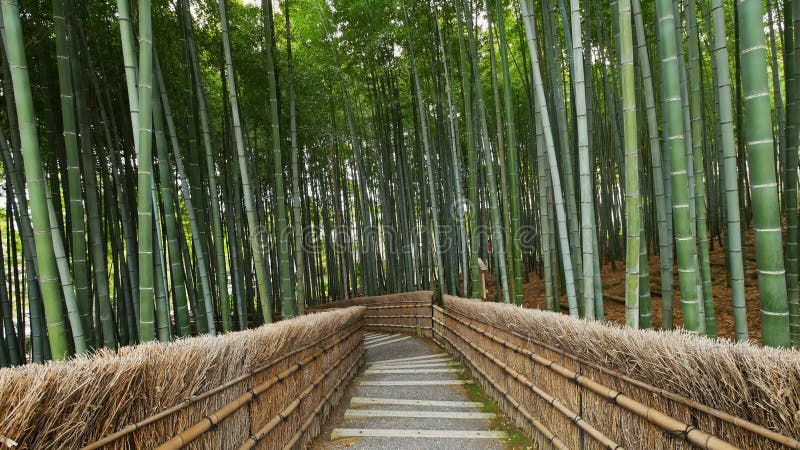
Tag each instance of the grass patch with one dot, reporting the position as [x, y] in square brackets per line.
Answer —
[516, 440]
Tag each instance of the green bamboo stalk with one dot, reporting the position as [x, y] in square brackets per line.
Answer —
[211, 174]
[474, 278]
[561, 214]
[584, 163]
[15, 351]
[779, 110]
[78, 229]
[763, 187]
[299, 259]
[288, 308]
[368, 264]
[792, 67]
[168, 200]
[163, 315]
[252, 220]
[339, 225]
[97, 246]
[455, 150]
[513, 160]
[498, 246]
[19, 205]
[664, 237]
[199, 251]
[145, 169]
[687, 129]
[504, 201]
[67, 288]
[695, 81]
[545, 206]
[550, 41]
[426, 147]
[632, 196]
[684, 236]
[35, 182]
[234, 253]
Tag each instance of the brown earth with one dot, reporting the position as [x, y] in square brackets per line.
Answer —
[613, 280]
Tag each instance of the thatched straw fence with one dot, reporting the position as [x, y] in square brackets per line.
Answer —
[576, 384]
[271, 387]
[408, 313]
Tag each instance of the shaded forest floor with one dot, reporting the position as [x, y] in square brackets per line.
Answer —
[613, 279]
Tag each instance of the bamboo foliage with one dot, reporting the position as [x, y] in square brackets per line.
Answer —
[402, 145]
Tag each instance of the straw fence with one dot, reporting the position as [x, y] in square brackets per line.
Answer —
[271, 387]
[567, 382]
[576, 384]
[408, 313]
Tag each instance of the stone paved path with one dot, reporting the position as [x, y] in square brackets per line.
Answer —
[410, 396]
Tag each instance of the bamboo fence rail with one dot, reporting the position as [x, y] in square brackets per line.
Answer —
[143, 396]
[572, 383]
[408, 313]
[590, 404]
[567, 382]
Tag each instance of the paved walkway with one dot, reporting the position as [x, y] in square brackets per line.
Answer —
[410, 396]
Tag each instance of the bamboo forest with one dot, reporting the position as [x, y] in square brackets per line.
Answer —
[188, 167]
[399, 224]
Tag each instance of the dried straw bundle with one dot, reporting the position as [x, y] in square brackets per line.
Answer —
[761, 385]
[73, 403]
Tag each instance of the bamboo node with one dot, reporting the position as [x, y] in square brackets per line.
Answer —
[253, 393]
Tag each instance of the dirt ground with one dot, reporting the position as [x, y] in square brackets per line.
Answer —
[614, 284]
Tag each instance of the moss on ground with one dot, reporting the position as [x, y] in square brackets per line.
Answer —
[516, 439]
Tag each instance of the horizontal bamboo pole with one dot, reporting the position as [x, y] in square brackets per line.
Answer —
[321, 405]
[215, 418]
[399, 306]
[399, 316]
[541, 427]
[721, 415]
[252, 441]
[673, 426]
[389, 325]
[572, 416]
[369, 304]
[183, 405]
